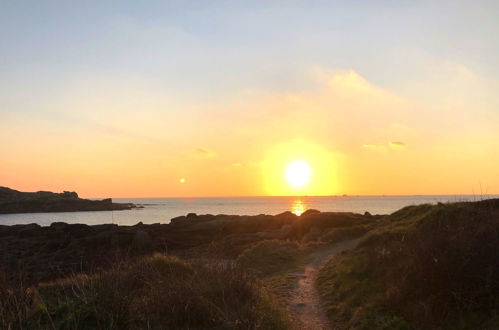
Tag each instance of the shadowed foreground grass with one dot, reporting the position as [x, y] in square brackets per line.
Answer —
[274, 261]
[157, 292]
[427, 266]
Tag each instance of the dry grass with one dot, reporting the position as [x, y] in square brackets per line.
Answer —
[271, 257]
[155, 293]
[427, 267]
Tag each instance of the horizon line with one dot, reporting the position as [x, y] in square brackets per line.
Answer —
[303, 196]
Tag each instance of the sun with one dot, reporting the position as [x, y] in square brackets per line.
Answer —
[298, 173]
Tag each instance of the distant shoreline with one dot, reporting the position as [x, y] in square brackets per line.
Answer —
[15, 202]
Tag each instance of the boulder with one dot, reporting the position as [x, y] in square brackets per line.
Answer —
[310, 212]
[177, 220]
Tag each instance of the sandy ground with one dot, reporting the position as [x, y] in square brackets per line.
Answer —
[304, 303]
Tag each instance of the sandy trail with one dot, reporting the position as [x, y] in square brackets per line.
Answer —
[304, 303]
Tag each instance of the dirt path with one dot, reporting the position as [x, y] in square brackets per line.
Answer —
[304, 303]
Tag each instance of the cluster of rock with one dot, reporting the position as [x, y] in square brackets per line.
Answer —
[13, 201]
[48, 252]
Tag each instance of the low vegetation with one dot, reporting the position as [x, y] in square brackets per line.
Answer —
[272, 257]
[156, 292]
[274, 262]
[337, 235]
[427, 266]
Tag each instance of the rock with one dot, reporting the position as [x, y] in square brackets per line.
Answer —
[13, 201]
[205, 217]
[191, 216]
[367, 214]
[30, 230]
[105, 226]
[310, 212]
[286, 214]
[177, 220]
[69, 194]
[58, 226]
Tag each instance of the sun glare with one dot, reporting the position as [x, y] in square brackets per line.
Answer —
[298, 207]
[300, 168]
[298, 173]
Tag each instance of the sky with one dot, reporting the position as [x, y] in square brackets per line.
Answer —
[217, 98]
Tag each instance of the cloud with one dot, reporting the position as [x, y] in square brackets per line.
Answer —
[396, 145]
[204, 153]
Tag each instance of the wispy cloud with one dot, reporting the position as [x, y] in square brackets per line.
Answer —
[204, 153]
[397, 145]
[393, 145]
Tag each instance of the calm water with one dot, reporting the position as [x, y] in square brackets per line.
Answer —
[163, 209]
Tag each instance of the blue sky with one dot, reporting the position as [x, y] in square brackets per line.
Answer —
[218, 47]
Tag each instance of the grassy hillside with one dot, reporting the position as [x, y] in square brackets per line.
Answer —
[427, 266]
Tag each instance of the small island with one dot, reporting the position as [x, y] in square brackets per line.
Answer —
[13, 201]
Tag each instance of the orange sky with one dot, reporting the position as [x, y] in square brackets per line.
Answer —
[356, 137]
[187, 98]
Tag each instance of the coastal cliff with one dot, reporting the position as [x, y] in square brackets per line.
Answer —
[13, 201]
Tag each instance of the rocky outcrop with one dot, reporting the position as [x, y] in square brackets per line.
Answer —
[13, 201]
[46, 253]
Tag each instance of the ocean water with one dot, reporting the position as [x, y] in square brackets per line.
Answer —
[163, 209]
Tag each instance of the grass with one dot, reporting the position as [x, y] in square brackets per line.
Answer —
[337, 235]
[274, 261]
[271, 257]
[427, 266]
[158, 292]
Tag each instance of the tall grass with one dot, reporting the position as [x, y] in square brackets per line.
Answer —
[427, 267]
[157, 292]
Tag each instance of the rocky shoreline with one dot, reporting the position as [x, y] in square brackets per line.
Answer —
[13, 201]
[45, 253]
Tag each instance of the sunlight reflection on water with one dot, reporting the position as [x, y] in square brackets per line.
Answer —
[298, 207]
[163, 209]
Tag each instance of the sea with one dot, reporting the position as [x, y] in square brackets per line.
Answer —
[161, 210]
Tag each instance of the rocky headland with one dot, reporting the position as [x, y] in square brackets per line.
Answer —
[13, 201]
